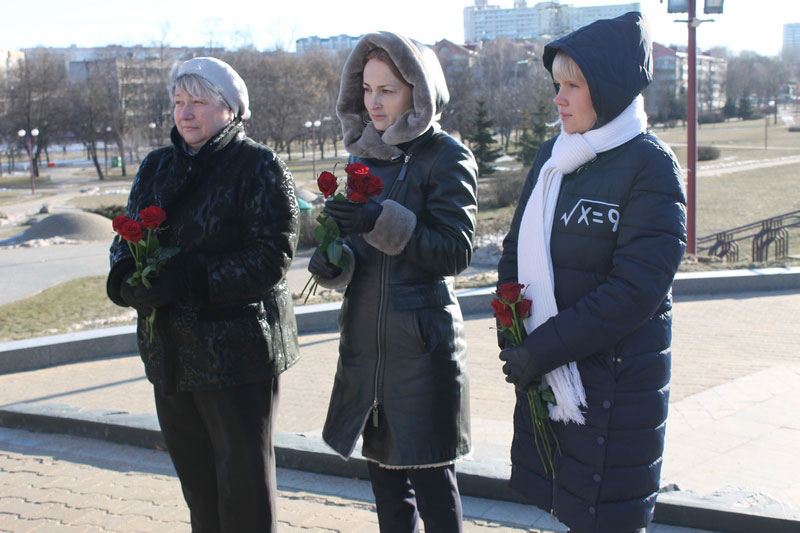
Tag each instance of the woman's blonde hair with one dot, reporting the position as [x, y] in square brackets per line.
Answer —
[565, 68]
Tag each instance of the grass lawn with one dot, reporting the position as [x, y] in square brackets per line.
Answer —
[90, 202]
[71, 306]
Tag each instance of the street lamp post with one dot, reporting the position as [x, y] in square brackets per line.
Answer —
[314, 126]
[24, 134]
[691, 134]
[766, 121]
[105, 146]
[152, 127]
[690, 7]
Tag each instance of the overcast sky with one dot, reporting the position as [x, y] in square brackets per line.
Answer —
[755, 25]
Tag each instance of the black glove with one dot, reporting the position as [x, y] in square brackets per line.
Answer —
[519, 368]
[126, 292]
[183, 275]
[165, 289]
[321, 266]
[353, 217]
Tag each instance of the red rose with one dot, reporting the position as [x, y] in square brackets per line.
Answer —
[361, 187]
[358, 187]
[502, 312]
[510, 291]
[356, 169]
[327, 183]
[524, 309]
[152, 217]
[119, 222]
[132, 231]
[374, 185]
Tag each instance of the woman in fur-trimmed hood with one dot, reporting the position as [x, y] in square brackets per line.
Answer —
[402, 380]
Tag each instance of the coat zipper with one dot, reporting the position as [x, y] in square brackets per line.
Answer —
[381, 303]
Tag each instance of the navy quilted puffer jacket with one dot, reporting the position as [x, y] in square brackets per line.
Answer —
[618, 238]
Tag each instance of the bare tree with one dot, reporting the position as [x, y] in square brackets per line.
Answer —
[35, 92]
[88, 115]
[751, 75]
[286, 90]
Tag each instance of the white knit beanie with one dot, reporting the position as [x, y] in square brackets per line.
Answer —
[222, 76]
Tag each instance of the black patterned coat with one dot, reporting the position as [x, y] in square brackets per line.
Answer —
[232, 209]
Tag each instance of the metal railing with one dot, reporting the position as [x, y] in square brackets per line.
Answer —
[769, 233]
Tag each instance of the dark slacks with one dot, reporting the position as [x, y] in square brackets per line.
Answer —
[403, 495]
[220, 442]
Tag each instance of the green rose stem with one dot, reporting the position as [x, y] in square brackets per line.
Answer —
[150, 319]
[537, 398]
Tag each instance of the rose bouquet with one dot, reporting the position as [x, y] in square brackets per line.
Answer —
[360, 186]
[148, 254]
[510, 309]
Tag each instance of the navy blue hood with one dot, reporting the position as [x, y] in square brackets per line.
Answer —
[615, 56]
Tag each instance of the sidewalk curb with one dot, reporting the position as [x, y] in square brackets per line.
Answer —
[42, 352]
[482, 479]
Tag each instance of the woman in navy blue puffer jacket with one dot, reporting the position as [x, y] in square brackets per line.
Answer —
[596, 240]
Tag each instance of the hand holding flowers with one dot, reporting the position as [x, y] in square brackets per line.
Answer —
[510, 309]
[148, 255]
[344, 215]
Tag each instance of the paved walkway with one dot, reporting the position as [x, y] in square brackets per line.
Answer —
[732, 434]
[56, 483]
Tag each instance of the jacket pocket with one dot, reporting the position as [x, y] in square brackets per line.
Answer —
[423, 310]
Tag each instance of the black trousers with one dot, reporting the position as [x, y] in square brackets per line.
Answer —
[403, 495]
[220, 442]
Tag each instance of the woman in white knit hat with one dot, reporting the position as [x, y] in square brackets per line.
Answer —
[225, 327]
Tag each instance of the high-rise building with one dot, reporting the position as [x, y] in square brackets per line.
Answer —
[543, 20]
[791, 37]
[791, 44]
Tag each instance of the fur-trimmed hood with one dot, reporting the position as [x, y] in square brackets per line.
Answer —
[420, 68]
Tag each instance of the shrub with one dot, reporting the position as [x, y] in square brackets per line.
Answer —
[503, 190]
[308, 223]
[707, 153]
[710, 118]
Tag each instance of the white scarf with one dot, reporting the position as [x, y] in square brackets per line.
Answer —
[534, 265]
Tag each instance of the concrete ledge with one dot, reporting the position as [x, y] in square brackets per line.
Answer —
[736, 281]
[681, 510]
[482, 479]
[41, 352]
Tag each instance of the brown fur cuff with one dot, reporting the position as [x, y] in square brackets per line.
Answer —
[393, 229]
[341, 281]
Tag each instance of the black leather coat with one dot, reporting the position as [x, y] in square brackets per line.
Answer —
[402, 375]
[232, 209]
